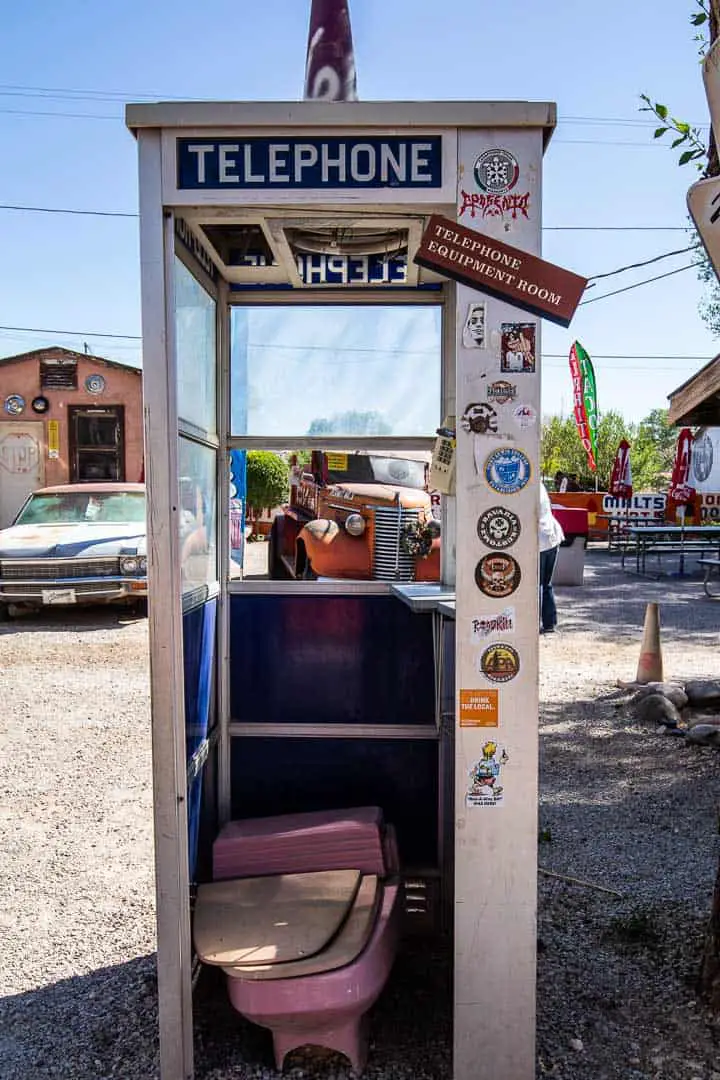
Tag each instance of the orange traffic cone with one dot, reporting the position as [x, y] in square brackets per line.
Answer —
[650, 665]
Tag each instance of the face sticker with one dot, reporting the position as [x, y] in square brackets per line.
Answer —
[484, 625]
[500, 662]
[479, 708]
[507, 471]
[524, 416]
[484, 787]
[479, 418]
[497, 575]
[474, 328]
[517, 348]
[500, 392]
[498, 527]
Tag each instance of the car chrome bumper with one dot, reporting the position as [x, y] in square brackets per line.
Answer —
[86, 590]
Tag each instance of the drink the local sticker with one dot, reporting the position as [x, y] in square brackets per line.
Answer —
[479, 708]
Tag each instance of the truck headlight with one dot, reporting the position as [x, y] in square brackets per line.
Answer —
[355, 524]
[129, 564]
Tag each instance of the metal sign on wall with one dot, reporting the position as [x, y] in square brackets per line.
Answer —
[309, 162]
[506, 272]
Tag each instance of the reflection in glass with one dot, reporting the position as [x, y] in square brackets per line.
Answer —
[198, 547]
[195, 334]
[351, 370]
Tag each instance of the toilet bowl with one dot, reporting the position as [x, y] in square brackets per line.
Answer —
[305, 954]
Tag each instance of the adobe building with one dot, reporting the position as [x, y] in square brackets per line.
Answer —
[66, 417]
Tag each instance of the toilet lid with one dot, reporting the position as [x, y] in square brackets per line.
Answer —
[342, 950]
[271, 920]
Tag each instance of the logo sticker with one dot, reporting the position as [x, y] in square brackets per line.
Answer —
[484, 788]
[474, 328]
[500, 392]
[498, 527]
[517, 348]
[702, 458]
[500, 662]
[507, 470]
[479, 708]
[524, 416]
[479, 418]
[497, 576]
[496, 172]
[484, 625]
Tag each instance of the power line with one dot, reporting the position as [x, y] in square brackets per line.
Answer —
[546, 228]
[637, 284]
[71, 333]
[647, 262]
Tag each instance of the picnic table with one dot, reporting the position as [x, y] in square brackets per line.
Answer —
[618, 525]
[681, 540]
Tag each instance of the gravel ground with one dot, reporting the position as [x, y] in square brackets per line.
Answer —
[621, 807]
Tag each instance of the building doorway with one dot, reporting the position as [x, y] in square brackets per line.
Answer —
[97, 443]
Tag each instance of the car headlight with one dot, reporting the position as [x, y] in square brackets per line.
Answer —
[129, 564]
[142, 564]
[355, 524]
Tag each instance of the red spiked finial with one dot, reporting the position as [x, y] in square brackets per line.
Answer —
[330, 67]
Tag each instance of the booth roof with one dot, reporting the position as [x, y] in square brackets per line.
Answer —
[346, 114]
[697, 401]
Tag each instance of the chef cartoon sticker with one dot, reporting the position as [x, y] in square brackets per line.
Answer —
[484, 787]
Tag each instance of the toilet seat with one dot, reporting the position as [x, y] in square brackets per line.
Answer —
[273, 921]
[345, 947]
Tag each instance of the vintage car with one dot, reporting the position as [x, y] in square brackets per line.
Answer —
[75, 544]
[359, 516]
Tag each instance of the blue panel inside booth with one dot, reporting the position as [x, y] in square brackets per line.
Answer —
[291, 775]
[330, 659]
[198, 666]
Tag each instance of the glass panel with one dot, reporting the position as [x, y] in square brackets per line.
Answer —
[195, 332]
[198, 519]
[335, 370]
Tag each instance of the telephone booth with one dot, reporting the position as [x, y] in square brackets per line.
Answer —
[374, 645]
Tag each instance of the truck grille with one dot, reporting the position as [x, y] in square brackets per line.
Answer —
[390, 563]
[56, 569]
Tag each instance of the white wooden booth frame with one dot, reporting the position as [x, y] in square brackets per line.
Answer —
[491, 155]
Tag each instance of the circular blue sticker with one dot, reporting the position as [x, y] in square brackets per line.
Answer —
[507, 471]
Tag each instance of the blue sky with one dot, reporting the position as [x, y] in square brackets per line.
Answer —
[67, 68]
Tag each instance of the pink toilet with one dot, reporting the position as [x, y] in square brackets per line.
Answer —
[303, 917]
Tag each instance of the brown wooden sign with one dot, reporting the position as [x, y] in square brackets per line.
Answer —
[486, 264]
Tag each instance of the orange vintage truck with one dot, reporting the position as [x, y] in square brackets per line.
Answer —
[362, 516]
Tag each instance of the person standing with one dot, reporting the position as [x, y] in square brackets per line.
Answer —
[550, 537]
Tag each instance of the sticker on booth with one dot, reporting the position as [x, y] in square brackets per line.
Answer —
[517, 348]
[498, 527]
[479, 418]
[474, 329]
[497, 575]
[500, 392]
[482, 626]
[485, 787]
[337, 462]
[507, 471]
[479, 708]
[525, 416]
[500, 662]
[496, 171]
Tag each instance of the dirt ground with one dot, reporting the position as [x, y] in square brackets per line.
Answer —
[620, 806]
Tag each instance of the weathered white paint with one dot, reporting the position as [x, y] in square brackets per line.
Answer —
[22, 464]
[496, 846]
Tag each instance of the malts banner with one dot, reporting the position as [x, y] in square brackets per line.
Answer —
[585, 401]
